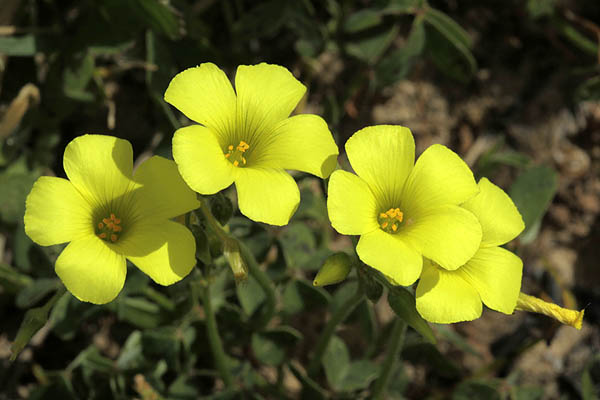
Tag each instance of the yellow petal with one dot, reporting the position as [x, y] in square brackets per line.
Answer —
[500, 220]
[439, 178]
[204, 94]
[391, 256]
[164, 251]
[99, 167]
[200, 160]
[56, 213]
[448, 235]
[267, 195]
[496, 274]
[303, 143]
[383, 156]
[266, 94]
[351, 206]
[444, 297]
[91, 270]
[163, 193]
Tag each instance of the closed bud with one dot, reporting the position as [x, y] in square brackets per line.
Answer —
[335, 269]
[231, 251]
[565, 316]
[373, 289]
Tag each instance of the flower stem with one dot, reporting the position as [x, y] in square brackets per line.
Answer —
[265, 283]
[253, 268]
[212, 331]
[393, 348]
[336, 318]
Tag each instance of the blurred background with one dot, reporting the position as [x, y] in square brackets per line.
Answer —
[513, 87]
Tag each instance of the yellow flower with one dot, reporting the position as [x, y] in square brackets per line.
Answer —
[246, 137]
[491, 276]
[404, 211]
[109, 215]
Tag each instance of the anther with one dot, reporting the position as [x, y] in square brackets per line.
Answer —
[236, 154]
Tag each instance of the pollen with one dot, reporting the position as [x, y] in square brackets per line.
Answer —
[390, 220]
[109, 228]
[236, 155]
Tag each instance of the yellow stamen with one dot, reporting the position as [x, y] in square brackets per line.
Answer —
[390, 220]
[236, 155]
[108, 228]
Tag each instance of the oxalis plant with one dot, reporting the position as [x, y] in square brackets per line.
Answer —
[422, 230]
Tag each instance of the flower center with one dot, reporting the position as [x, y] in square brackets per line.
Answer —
[109, 228]
[390, 220]
[236, 156]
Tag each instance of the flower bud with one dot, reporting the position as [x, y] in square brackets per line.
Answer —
[335, 269]
[563, 315]
[231, 251]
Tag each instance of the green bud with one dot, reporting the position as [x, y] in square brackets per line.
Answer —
[231, 251]
[371, 287]
[335, 269]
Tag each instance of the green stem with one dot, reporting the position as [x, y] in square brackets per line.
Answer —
[392, 349]
[159, 298]
[212, 331]
[336, 318]
[265, 283]
[253, 268]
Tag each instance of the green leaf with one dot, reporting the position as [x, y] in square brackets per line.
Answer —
[299, 245]
[202, 245]
[448, 27]
[250, 295]
[427, 354]
[532, 193]
[540, 8]
[78, 75]
[33, 321]
[12, 280]
[267, 350]
[404, 305]
[162, 343]
[336, 361]
[131, 355]
[157, 15]
[310, 388]
[15, 184]
[476, 389]
[137, 311]
[361, 20]
[33, 293]
[341, 373]
[18, 46]
[300, 295]
[449, 46]
[370, 49]
[589, 89]
[403, 6]
[398, 63]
